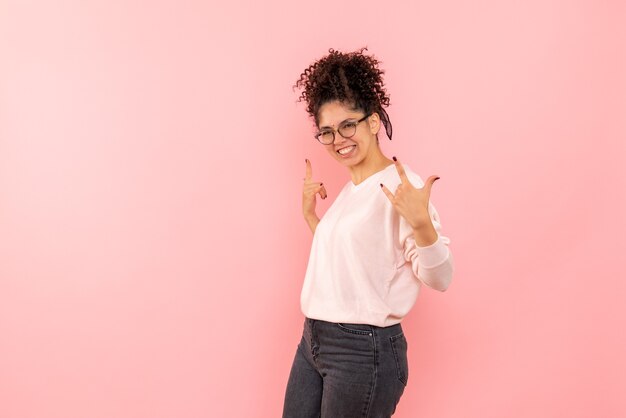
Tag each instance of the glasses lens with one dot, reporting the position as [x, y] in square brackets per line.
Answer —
[347, 129]
[325, 137]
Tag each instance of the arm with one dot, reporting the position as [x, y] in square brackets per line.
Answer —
[425, 235]
[430, 255]
[312, 221]
[420, 237]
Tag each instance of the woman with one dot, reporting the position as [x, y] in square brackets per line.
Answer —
[371, 251]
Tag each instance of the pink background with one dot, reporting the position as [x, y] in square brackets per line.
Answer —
[152, 249]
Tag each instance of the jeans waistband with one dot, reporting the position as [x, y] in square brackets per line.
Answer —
[389, 330]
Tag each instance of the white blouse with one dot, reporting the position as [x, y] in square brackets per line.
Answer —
[365, 266]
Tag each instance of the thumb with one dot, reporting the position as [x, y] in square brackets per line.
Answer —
[429, 183]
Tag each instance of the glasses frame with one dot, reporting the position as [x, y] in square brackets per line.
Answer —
[333, 131]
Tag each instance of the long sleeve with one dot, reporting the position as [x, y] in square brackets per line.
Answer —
[432, 265]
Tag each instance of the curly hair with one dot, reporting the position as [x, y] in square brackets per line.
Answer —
[352, 78]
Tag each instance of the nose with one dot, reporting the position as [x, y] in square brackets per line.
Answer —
[339, 139]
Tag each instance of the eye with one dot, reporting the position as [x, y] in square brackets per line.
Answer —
[325, 136]
[348, 128]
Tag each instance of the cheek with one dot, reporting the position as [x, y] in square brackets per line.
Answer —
[369, 142]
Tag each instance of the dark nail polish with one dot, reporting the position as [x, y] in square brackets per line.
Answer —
[321, 184]
[381, 185]
[306, 160]
[395, 159]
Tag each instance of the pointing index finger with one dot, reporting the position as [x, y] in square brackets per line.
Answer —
[309, 170]
[401, 172]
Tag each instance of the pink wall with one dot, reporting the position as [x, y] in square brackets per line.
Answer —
[151, 244]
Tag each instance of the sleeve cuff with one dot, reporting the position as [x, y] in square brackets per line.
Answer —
[432, 255]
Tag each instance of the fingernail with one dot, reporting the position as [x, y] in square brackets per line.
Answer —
[306, 160]
[321, 184]
[437, 178]
[381, 185]
[395, 159]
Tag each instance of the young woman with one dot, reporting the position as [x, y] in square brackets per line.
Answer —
[373, 248]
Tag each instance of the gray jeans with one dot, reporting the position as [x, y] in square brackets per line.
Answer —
[347, 371]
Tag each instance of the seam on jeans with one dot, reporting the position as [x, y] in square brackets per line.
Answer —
[375, 377]
[395, 337]
[314, 366]
[396, 357]
[314, 345]
[344, 328]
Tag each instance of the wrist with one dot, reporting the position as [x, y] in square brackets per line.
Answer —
[310, 217]
[425, 235]
[421, 223]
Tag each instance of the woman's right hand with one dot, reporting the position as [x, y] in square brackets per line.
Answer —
[309, 192]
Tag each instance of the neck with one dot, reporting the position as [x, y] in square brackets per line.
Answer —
[370, 165]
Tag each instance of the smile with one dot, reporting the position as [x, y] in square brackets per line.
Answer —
[347, 150]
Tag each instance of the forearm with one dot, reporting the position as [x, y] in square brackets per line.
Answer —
[312, 221]
[434, 262]
[437, 277]
[425, 234]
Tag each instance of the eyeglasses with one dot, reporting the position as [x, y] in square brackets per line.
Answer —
[347, 130]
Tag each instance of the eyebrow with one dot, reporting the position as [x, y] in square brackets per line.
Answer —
[340, 123]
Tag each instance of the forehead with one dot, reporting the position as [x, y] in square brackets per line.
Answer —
[333, 113]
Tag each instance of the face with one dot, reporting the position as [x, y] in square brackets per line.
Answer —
[356, 149]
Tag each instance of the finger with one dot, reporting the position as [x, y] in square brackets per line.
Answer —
[312, 187]
[309, 170]
[390, 195]
[429, 183]
[403, 177]
[322, 192]
[316, 188]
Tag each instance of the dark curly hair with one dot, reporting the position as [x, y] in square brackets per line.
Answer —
[351, 77]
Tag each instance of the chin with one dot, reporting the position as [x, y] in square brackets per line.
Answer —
[349, 162]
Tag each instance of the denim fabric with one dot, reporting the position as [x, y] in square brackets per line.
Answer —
[347, 371]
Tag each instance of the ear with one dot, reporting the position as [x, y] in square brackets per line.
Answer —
[374, 123]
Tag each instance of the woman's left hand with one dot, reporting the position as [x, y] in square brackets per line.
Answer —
[411, 202]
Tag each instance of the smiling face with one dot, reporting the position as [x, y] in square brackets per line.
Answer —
[359, 148]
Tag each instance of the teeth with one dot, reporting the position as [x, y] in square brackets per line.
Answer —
[346, 150]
